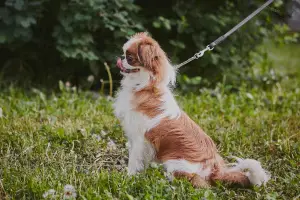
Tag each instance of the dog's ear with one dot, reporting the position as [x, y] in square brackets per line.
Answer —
[141, 35]
[150, 56]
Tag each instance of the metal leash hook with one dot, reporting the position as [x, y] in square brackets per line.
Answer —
[196, 56]
[201, 53]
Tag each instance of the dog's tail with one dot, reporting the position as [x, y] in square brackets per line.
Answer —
[244, 172]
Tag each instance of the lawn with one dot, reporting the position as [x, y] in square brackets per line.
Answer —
[50, 139]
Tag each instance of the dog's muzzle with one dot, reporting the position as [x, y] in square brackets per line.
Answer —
[125, 70]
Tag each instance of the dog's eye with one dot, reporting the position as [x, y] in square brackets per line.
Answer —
[129, 59]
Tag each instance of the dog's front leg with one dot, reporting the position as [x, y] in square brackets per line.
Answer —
[136, 156]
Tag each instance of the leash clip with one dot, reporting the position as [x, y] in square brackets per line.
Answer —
[201, 53]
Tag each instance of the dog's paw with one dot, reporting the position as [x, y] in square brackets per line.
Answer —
[134, 166]
[131, 172]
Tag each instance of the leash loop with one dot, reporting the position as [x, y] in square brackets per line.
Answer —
[211, 47]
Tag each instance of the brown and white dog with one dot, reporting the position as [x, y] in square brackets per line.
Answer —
[158, 130]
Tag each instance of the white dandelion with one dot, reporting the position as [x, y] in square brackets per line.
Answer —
[103, 133]
[68, 84]
[82, 131]
[249, 96]
[96, 137]
[69, 192]
[154, 165]
[74, 88]
[90, 78]
[111, 145]
[50, 193]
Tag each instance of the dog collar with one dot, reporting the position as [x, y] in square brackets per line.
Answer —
[128, 71]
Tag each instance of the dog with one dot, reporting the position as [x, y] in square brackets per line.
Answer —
[159, 131]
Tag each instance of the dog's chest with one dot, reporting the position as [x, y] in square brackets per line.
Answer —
[134, 123]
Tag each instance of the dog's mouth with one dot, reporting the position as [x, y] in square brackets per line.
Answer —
[125, 70]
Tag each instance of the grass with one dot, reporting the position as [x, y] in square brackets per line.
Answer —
[49, 141]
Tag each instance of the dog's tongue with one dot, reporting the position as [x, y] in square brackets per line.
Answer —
[119, 63]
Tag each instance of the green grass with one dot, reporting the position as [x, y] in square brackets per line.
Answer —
[48, 141]
[286, 61]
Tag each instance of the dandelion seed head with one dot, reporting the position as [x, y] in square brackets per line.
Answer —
[69, 192]
[111, 145]
[103, 133]
[68, 84]
[90, 78]
[96, 136]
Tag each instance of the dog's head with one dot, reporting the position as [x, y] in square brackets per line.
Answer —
[144, 62]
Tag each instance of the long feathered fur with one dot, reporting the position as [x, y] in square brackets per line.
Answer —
[154, 123]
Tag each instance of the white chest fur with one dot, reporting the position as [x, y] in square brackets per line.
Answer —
[135, 125]
[132, 122]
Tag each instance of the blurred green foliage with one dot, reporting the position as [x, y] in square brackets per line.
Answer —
[70, 39]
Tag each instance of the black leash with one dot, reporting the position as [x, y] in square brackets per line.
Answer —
[212, 45]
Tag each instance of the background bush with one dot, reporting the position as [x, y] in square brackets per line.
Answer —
[43, 40]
